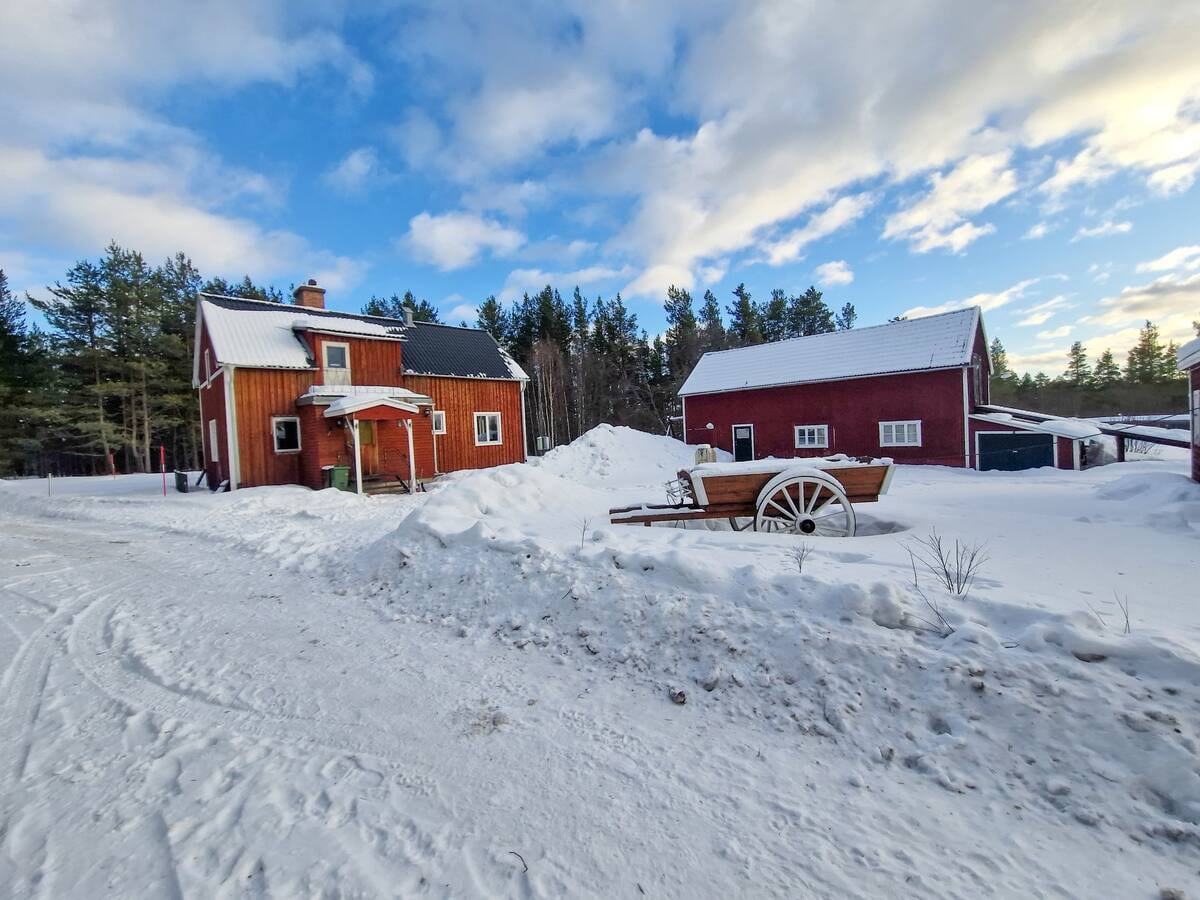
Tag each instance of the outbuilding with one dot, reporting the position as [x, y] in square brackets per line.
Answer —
[1189, 361]
[915, 390]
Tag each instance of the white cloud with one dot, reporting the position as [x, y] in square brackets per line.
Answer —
[1036, 232]
[939, 219]
[1043, 312]
[1061, 331]
[1104, 229]
[842, 212]
[354, 171]
[1171, 301]
[520, 281]
[836, 272]
[1186, 259]
[456, 240]
[462, 312]
[985, 301]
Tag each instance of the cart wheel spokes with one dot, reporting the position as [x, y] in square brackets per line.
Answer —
[740, 524]
[805, 505]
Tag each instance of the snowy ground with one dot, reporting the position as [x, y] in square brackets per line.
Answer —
[282, 693]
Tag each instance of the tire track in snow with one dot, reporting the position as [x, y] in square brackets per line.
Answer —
[92, 652]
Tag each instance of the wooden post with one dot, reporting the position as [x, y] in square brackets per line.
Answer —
[357, 456]
[1120, 448]
[412, 463]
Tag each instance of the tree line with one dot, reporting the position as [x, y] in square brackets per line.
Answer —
[1149, 382]
[590, 362]
[109, 378]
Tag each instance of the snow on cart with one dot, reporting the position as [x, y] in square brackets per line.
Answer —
[788, 496]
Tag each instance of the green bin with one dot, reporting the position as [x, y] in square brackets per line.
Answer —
[337, 477]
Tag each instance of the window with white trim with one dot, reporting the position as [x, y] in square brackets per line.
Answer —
[439, 421]
[335, 359]
[214, 447]
[286, 432]
[809, 437]
[900, 434]
[207, 365]
[487, 428]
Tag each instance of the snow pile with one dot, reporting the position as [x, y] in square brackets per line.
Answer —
[1166, 501]
[620, 457]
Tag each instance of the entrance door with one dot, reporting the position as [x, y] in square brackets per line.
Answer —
[1013, 452]
[369, 447]
[743, 442]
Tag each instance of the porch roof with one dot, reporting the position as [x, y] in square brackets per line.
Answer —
[345, 406]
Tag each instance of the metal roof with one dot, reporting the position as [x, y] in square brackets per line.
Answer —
[942, 341]
[1189, 355]
[431, 349]
[263, 335]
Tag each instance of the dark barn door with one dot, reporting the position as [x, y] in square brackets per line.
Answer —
[1013, 452]
[743, 442]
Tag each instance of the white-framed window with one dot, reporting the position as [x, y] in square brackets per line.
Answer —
[335, 359]
[900, 434]
[809, 437]
[207, 365]
[439, 421]
[286, 432]
[214, 448]
[487, 429]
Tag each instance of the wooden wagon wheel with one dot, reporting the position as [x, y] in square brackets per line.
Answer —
[806, 502]
[740, 524]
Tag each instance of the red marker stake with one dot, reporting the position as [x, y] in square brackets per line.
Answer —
[162, 462]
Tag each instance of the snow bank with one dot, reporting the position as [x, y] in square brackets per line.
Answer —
[611, 456]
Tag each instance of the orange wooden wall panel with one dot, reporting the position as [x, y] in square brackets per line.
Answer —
[258, 395]
[460, 399]
[371, 362]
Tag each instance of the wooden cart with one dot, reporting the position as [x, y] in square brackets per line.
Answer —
[790, 496]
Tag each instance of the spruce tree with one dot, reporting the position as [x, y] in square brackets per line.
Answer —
[1079, 372]
[394, 307]
[847, 317]
[999, 356]
[1106, 372]
[1143, 365]
[14, 352]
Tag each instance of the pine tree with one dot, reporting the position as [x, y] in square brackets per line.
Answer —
[809, 315]
[774, 316]
[847, 317]
[1107, 372]
[394, 307]
[1170, 366]
[1078, 372]
[492, 318]
[682, 345]
[14, 352]
[745, 328]
[712, 328]
[245, 288]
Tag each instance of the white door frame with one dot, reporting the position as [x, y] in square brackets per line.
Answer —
[733, 438]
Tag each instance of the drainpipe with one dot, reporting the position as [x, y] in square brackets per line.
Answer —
[357, 456]
[231, 435]
[524, 436]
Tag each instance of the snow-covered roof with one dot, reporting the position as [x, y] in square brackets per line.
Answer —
[1075, 429]
[266, 335]
[263, 335]
[355, 402]
[931, 342]
[1189, 355]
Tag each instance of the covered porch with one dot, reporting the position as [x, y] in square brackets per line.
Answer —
[383, 436]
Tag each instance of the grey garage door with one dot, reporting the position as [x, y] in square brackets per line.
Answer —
[1012, 452]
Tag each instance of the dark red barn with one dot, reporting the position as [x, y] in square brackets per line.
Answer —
[912, 390]
[1189, 361]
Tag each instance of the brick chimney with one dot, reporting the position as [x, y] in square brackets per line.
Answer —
[309, 295]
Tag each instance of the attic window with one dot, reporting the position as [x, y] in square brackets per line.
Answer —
[336, 359]
[207, 365]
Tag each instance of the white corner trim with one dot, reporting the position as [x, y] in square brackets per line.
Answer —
[966, 419]
[235, 463]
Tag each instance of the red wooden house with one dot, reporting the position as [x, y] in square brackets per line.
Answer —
[289, 391]
[914, 390]
[1189, 361]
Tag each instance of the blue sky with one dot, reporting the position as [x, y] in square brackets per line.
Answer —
[1036, 159]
